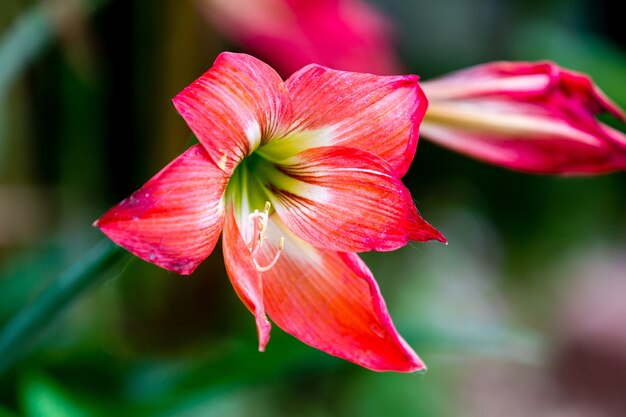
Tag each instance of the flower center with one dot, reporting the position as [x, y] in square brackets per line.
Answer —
[259, 229]
[248, 187]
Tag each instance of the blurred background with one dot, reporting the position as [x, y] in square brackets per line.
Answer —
[522, 314]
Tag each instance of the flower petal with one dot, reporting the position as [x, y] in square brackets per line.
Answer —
[234, 106]
[529, 144]
[174, 220]
[330, 300]
[347, 200]
[244, 276]
[533, 117]
[524, 80]
[380, 115]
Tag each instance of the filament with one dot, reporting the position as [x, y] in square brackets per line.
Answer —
[259, 228]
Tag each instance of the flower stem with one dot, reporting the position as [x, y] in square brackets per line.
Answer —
[18, 334]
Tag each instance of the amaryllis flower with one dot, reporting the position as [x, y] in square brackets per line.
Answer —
[343, 34]
[297, 176]
[533, 117]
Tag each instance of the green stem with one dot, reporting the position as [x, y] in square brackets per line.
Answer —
[18, 334]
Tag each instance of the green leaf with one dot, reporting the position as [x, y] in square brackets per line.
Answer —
[43, 397]
[5, 413]
[17, 335]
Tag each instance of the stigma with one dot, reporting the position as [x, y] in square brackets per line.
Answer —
[259, 229]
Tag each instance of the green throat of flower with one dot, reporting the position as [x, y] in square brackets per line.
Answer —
[250, 189]
[250, 186]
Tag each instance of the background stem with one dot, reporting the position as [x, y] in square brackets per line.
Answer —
[18, 334]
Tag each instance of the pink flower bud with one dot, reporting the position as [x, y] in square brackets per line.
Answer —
[532, 117]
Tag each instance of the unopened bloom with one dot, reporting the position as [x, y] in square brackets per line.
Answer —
[344, 34]
[297, 176]
[532, 117]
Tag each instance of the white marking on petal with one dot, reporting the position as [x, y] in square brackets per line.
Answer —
[292, 185]
[221, 164]
[499, 119]
[295, 248]
[466, 87]
[253, 134]
[449, 137]
[313, 192]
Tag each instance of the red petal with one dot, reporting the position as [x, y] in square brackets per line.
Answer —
[380, 115]
[330, 300]
[534, 81]
[346, 199]
[244, 276]
[236, 105]
[525, 116]
[174, 220]
[532, 152]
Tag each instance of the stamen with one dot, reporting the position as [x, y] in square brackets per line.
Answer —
[256, 230]
[259, 227]
[281, 244]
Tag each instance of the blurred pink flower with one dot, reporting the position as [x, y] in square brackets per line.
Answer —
[299, 175]
[532, 117]
[343, 34]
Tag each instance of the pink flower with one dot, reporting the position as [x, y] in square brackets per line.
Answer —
[533, 117]
[343, 34]
[297, 176]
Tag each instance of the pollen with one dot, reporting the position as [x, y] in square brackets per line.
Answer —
[259, 229]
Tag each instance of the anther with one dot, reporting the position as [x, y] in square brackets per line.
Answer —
[259, 226]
